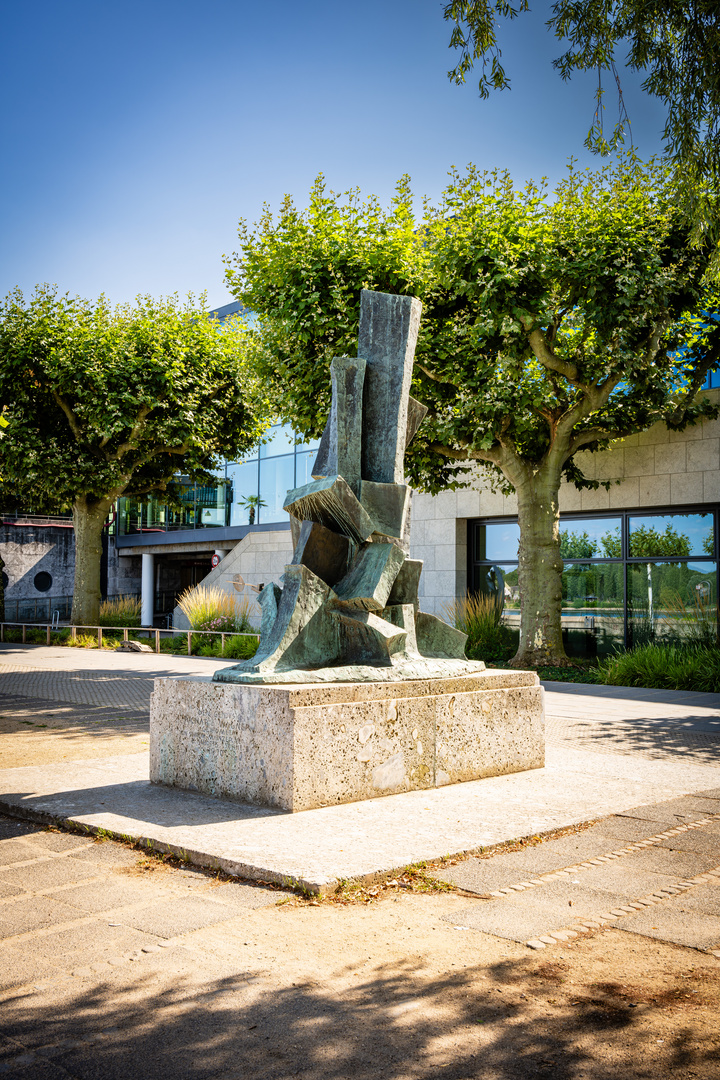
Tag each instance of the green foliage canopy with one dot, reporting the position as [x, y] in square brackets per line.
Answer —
[116, 400]
[674, 43]
[107, 401]
[552, 323]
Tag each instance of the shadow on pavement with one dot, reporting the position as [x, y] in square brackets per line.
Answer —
[395, 1025]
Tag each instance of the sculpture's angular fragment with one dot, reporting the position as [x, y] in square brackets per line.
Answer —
[325, 463]
[324, 552]
[268, 600]
[331, 502]
[367, 585]
[403, 615]
[437, 638]
[388, 333]
[347, 376]
[406, 586]
[388, 505]
[304, 633]
[416, 415]
[348, 610]
[370, 639]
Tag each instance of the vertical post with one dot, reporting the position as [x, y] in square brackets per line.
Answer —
[47, 638]
[2, 631]
[147, 590]
[189, 644]
[99, 630]
[157, 641]
[24, 628]
[73, 632]
[125, 633]
[222, 644]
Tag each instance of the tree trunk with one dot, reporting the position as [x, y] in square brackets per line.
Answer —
[89, 516]
[540, 572]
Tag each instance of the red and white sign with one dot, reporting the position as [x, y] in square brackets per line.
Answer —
[215, 560]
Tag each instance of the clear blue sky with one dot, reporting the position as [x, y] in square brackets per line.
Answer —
[135, 135]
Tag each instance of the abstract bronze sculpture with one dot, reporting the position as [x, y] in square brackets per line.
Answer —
[348, 610]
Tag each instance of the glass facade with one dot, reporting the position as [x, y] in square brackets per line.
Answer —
[628, 577]
[249, 492]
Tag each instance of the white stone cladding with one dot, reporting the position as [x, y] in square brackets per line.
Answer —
[260, 557]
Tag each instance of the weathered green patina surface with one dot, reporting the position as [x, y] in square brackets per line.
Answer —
[348, 610]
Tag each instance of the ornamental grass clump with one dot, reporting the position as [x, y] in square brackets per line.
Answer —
[207, 607]
[480, 617]
[120, 611]
[665, 667]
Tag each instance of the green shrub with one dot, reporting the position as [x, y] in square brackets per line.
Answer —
[120, 611]
[479, 617]
[665, 667]
[240, 648]
[207, 607]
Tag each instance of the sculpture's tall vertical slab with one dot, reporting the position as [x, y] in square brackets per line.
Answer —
[389, 328]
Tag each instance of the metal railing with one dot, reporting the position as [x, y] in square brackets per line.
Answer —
[138, 632]
[38, 609]
[42, 609]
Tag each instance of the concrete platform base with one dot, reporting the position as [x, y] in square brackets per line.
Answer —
[300, 747]
[317, 849]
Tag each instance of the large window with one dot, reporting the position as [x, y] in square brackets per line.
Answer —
[628, 577]
[260, 483]
[249, 492]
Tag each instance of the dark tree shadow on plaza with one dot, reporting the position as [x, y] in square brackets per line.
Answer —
[394, 1024]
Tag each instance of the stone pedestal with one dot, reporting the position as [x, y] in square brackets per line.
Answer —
[297, 747]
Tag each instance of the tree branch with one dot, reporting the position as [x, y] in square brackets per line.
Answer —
[131, 442]
[545, 355]
[71, 417]
[435, 378]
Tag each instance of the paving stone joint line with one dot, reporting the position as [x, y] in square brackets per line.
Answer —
[599, 860]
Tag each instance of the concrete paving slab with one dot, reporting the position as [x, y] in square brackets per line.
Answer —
[620, 877]
[698, 840]
[588, 845]
[19, 918]
[621, 830]
[670, 923]
[9, 890]
[106, 895]
[13, 851]
[677, 864]
[484, 875]
[571, 896]
[49, 872]
[89, 943]
[237, 895]
[317, 848]
[710, 793]
[19, 967]
[11, 829]
[58, 841]
[180, 915]
[686, 809]
[704, 898]
[107, 854]
[538, 911]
